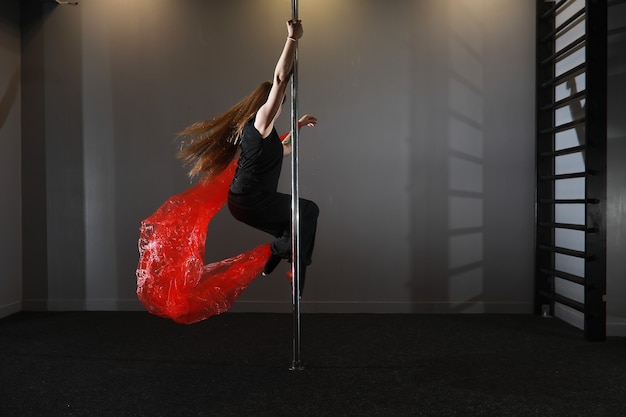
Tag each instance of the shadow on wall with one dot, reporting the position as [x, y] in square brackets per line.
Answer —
[447, 146]
[53, 140]
[7, 100]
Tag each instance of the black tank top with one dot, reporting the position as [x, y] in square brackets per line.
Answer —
[260, 162]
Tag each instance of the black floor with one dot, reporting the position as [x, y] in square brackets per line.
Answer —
[134, 364]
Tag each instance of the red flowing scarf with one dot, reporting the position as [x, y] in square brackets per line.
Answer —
[172, 279]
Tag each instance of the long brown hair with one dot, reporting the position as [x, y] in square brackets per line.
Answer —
[210, 145]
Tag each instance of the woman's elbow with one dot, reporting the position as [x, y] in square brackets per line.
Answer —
[281, 80]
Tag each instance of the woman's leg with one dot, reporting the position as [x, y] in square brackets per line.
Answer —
[271, 213]
[281, 246]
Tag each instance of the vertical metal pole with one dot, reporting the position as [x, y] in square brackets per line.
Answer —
[296, 363]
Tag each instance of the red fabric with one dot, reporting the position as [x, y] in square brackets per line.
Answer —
[172, 280]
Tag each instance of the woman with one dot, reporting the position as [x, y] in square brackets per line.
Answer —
[253, 198]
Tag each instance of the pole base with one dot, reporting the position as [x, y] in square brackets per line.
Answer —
[296, 366]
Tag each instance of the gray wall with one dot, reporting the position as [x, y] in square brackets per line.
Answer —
[422, 162]
[616, 179]
[10, 155]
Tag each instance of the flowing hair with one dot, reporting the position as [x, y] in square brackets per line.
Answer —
[210, 145]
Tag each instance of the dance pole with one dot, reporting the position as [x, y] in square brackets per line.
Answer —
[296, 364]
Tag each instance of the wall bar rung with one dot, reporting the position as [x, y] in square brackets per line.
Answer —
[565, 24]
[564, 251]
[569, 226]
[563, 176]
[564, 126]
[576, 305]
[564, 102]
[553, 9]
[564, 151]
[569, 201]
[567, 74]
[564, 275]
[565, 50]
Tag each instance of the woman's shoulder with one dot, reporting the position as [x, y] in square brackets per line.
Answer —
[250, 131]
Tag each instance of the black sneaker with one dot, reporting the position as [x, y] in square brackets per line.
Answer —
[271, 265]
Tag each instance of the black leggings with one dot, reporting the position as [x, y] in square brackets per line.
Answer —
[270, 212]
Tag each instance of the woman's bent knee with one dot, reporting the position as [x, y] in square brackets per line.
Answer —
[310, 209]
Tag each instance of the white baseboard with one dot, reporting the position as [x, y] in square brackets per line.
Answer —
[112, 304]
[616, 326]
[380, 307]
[569, 315]
[307, 306]
[11, 308]
[35, 305]
[98, 304]
[59, 304]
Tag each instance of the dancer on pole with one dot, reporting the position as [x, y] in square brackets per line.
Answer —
[249, 127]
[172, 278]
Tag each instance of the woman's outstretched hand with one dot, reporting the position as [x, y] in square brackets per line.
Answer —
[307, 120]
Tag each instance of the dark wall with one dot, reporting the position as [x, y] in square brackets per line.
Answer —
[53, 192]
[422, 162]
[10, 198]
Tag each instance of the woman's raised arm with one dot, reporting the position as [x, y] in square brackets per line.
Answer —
[266, 115]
